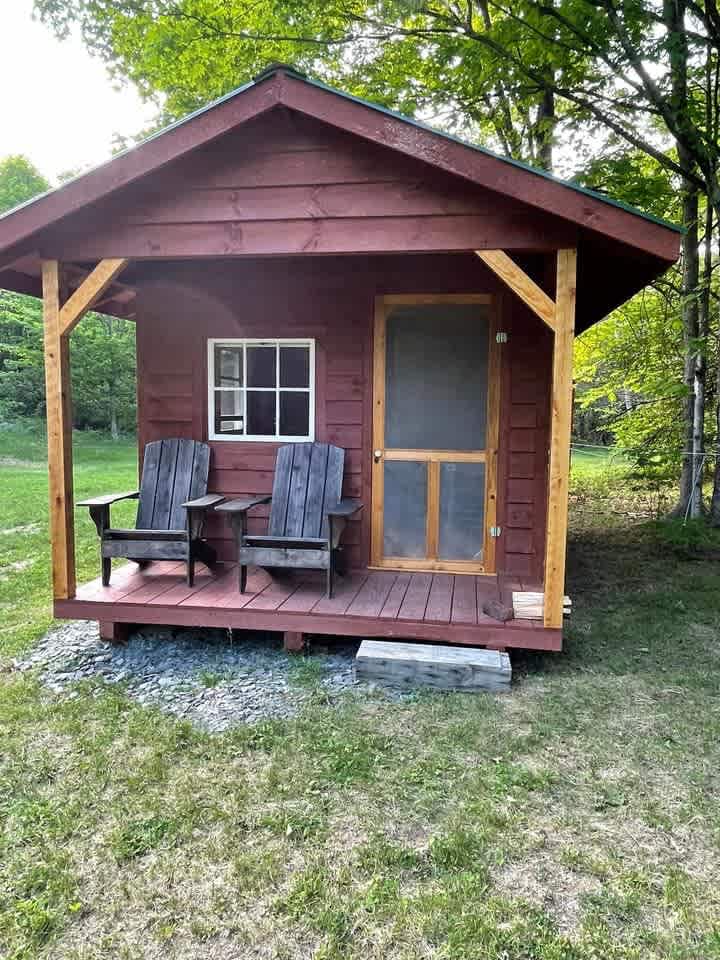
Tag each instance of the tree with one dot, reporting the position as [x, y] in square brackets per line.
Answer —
[400, 54]
[526, 74]
[103, 350]
[19, 181]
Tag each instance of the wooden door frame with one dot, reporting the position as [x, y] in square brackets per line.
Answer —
[435, 457]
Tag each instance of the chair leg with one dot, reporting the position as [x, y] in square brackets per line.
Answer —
[330, 576]
[106, 568]
[191, 570]
[243, 577]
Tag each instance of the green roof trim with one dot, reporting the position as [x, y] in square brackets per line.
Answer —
[276, 68]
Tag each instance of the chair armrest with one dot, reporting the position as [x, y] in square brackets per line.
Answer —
[241, 506]
[107, 499]
[204, 503]
[346, 508]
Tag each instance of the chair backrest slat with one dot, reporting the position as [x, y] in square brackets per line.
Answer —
[298, 490]
[333, 483]
[173, 471]
[313, 520]
[181, 485]
[165, 485]
[308, 480]
[281, 490]
[148, 485]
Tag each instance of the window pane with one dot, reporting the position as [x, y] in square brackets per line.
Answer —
[436, 377]
[261, 413]
[229, 411]
[405, 508]
[294, 367]
[462, 507]
[228, 366]
[294, 414]
[261, 366]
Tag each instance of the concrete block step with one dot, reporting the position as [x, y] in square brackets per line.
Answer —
[430, 665]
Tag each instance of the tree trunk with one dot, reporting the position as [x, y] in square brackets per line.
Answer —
[715, 502]
[114, 432]
[545, 130]
[698, 440]
[690, 278]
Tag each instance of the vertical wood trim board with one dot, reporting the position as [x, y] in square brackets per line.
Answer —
[492, 439]
[432, 536]
[59, 434]
[378, 432]
[560, 431]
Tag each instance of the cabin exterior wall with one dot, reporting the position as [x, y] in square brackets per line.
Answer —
[331, 299]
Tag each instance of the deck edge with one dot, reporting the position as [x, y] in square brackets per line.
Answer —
[528, 638]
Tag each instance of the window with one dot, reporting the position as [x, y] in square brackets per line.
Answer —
[261, 389]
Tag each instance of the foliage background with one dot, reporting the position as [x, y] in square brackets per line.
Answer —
[103, 348]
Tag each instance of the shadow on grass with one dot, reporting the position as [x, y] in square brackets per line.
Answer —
[644, 602]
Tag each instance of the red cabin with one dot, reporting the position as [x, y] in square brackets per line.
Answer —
[425, 294]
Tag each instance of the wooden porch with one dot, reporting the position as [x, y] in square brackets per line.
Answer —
[367, 603]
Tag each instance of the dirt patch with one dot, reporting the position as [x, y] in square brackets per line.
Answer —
[24, 528]
[15, 567]
[544, 882]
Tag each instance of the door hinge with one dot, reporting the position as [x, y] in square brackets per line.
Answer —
[495, 531]
[501, 337]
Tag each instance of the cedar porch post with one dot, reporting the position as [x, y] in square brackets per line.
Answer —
[560, 433]
[59, 321]
[58, 402]
[559, 316]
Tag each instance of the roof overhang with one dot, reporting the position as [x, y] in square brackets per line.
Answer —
[604, 227]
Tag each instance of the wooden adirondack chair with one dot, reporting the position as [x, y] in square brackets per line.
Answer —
[307, 514]
[173, 500]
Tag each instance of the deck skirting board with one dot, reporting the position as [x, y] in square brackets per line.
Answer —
[528, 637]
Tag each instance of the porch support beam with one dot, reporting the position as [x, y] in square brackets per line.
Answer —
[58, 402]
[59, 321]
[89, 292]
[520, 283]
[560, 432]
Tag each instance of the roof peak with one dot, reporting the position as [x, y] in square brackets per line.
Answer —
[279, 67]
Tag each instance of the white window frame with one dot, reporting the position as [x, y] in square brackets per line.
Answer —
[276, 342]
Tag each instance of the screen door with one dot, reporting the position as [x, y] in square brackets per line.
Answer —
[434, 433]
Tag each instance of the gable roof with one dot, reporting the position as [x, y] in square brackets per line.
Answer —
[281, 85]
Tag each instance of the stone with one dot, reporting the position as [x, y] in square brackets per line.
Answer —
[160, 668]
[424, 664]
[498, 610]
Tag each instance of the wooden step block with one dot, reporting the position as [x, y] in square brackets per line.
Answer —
[425, 664]
[530, 605]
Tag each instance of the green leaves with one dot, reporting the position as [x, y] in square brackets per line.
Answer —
[19, 181]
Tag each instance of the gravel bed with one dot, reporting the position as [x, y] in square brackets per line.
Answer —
[210, 677]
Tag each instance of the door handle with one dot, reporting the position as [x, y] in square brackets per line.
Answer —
[377, 456]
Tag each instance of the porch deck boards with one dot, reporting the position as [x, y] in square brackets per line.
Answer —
[367, 603]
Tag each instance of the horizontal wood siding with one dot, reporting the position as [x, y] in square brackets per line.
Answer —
[287, 184]
[524, 442]
[331, 299]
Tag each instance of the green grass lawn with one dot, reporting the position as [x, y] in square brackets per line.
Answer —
[575, 819]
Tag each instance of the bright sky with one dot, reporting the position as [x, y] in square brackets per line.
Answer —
[57, 104]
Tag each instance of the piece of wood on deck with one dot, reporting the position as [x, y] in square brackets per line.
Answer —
[425, 664]
[530, 605]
